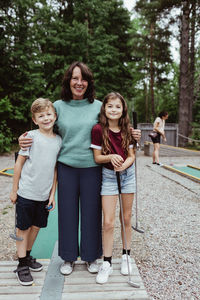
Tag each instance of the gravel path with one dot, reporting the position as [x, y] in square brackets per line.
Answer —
[168, 253]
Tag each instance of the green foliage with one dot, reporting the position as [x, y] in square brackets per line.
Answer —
[140, 65]
[40, 39]
[5, 137]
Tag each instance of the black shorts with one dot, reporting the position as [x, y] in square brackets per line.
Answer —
[156, 139]
[31, 212]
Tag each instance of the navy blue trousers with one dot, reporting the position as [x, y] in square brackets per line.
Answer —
[79, 187]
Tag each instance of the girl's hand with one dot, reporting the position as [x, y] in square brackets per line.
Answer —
[119, 169]
[116, 160]
[13, 197]
[25, 142]
[136, 134]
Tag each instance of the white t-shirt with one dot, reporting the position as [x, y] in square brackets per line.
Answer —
[38, 170]
[161, 124]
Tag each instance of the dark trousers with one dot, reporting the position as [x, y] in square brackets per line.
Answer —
[79, 187]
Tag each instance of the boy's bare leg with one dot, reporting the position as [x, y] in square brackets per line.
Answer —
[30, 261]
[22, 245]
[32, 236]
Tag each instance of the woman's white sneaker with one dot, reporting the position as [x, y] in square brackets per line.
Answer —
[124, 265]
[92, 267]
[104, 271]
[67, 268]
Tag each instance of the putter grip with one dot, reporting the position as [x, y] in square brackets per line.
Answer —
[118, 182]
[134, 120]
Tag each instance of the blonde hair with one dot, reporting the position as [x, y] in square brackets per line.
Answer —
[40, 105]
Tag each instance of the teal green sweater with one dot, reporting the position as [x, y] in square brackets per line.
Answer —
[75, 121]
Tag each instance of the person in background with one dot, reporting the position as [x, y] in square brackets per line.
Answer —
[159, 127]
[34, 186]
[113, 146]
[79, 176]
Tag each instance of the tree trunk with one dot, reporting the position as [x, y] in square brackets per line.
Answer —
[184, 91]
[192, 63]
[152, 71]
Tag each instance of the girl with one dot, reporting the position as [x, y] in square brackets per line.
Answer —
[113, 147]
[159, 127]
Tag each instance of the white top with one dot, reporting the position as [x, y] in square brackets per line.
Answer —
[159, 124]
[38, 170]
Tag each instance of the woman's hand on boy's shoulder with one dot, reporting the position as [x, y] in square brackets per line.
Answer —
[24, 141]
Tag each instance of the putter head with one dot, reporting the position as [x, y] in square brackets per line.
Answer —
[131, 283]
[15, 237]
[138, 230]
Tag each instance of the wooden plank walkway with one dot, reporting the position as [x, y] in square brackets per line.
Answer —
[80, 285]
[10, 289]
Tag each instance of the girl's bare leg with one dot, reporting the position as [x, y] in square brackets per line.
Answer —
[109, 207]
[127, 203]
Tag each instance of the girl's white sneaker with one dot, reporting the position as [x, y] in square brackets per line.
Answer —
[104, 271]
[124, 265]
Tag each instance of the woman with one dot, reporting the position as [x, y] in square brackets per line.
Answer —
[78, 174]
[158, 126]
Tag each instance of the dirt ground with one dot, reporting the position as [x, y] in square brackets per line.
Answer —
[7, 245]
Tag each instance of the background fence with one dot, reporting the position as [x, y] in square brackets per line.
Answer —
[171, 132]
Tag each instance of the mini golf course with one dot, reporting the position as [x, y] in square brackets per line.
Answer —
[47, 237]
[189, 171]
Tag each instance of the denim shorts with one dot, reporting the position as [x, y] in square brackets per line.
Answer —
[30, 212]
[109, 181]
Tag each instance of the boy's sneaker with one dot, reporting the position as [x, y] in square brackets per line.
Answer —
[67, 268]
[104, 271]
[33, 264]
[92, 267]
[124, 265]
[24, 275]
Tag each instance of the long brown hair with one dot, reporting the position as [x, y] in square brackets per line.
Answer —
[66, 93]
[124, 124]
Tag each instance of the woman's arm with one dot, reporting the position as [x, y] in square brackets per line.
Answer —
[129, 160]
[24, 141]
[53, 191]
[100, 158]
[17, 173]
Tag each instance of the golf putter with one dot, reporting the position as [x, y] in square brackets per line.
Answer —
[14, 235]
[136, 200]
[130, 282]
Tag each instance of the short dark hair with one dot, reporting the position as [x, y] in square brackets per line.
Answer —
[163, 114]
[66, 93]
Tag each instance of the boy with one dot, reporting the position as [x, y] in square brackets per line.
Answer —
[34, 185]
